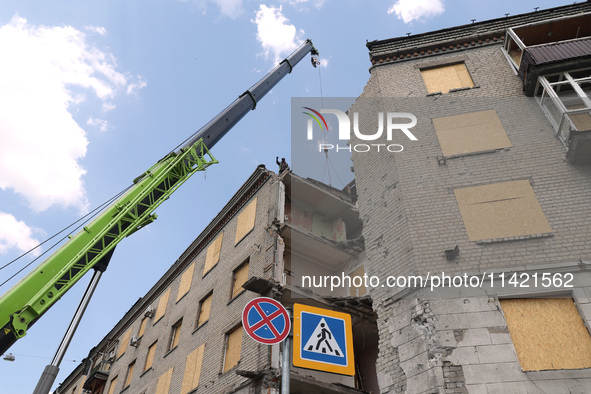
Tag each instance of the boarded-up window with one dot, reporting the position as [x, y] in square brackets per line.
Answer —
[232, 351]
[112, 386]
[130, 369]
[204, 309]
[548, 333]
[472, 132]
[142, 327]
[357, 291]
[123, 342]
[239, 277]
[213, 254]
[81, 388]
[500, 210]
[443, 79]
[161, 306]
[193, 370]
[175, 334]
[246, 220]
[185, 282]
[164, 382]
[150, 357]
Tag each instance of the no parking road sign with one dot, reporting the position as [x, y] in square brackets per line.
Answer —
[323, 340]
[265, 320]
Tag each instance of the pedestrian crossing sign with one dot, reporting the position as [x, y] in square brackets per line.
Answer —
[323, 340]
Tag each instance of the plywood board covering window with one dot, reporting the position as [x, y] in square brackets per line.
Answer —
[443, 79]
[356, 291]
[469, 133]
[130, 369]
[142, 327]
[112, 386]
[162, 306]
[193, 370]
[239, 277]
[548, 333]
[233, 345]
[123, 342]
[500, 210]
[81, 388]
[246, 220]
[164, 382]
[150, 357]
[213, 253]
[204, 309]
[185, 282]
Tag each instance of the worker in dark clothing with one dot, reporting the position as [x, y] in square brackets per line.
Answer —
[282, 165]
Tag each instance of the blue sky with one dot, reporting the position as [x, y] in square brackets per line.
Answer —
[93, 93]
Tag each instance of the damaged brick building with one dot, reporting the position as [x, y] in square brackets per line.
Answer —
[485, 216]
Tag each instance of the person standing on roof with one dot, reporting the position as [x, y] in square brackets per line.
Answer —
[282, 165]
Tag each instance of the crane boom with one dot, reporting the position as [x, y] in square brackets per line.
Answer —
[92, 247]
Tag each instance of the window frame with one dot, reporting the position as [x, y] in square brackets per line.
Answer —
[200, 310]
[175, 334]
[227, 335]
[129, 374]
[233, 294]
[112, 385]
[146, 366]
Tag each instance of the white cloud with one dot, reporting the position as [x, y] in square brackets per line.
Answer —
[409, 10]
[41, 142]
[277, 36]
[16, 234]
[97, 29]
[230, 8]
[106, 107]
[102, 124]
[298, 3]
[133, 87]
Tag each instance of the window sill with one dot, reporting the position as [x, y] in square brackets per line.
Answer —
[511, 239]
[199, 326]
[153, 324]
[453, 91]
[482, 152]
[146, 371]
[236, 296]
[209, 270]
[170, 351]
[234, 368]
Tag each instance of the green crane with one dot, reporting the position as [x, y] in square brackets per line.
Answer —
[93, 246]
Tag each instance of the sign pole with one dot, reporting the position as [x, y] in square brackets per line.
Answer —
[286, 362]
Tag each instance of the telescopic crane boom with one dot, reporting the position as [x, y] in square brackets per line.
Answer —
[93, 246]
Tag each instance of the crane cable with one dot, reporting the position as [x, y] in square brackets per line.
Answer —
[85, 219]
[328, 163]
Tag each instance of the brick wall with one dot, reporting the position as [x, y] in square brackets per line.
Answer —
[433, 341]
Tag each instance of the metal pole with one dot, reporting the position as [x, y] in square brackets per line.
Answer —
[50, 373]
[286, 362]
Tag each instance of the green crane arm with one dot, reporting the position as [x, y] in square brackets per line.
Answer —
[93, 246]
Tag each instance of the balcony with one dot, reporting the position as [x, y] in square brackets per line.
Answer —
[550, 46]
[97, 378]
[564, 99]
